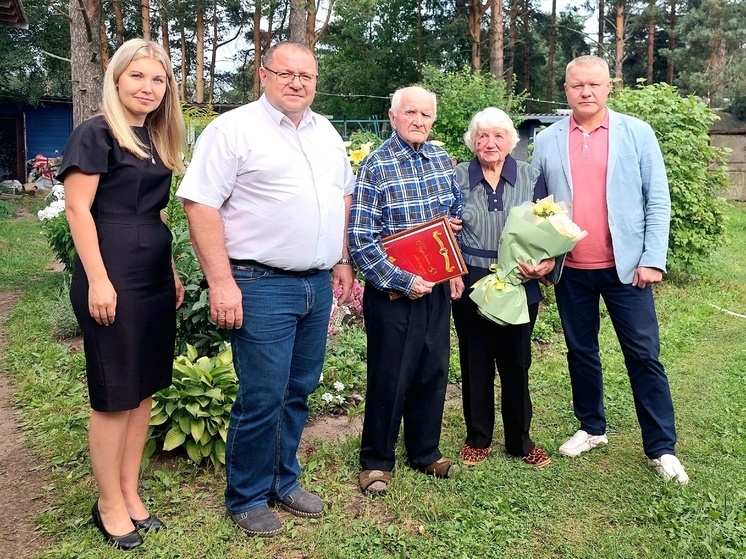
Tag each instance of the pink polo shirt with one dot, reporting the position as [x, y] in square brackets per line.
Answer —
[589, 154]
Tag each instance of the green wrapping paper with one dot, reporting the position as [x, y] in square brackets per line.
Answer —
[526, 237]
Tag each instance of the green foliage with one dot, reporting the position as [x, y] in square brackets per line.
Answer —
[6, 209]
[27, 72]
[342, 383]
[193, 325]
[57, 232]
[358, 139]
[460, 96]
[195, 410]
[696, 170]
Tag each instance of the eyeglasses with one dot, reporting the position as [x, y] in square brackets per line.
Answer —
[284, 78]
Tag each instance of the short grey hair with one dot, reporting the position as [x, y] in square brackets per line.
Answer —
[587, 60]
[491, 117]
[399, 93]
[268, 57]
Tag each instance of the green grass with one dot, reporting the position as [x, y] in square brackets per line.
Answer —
[605, 504]
[24, 254]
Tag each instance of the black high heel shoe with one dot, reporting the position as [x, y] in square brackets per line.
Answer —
[126, 542]
[150, 524]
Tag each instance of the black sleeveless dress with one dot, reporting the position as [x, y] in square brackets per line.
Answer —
[132, 358]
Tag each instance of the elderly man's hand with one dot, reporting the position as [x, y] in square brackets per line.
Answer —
[457, 288]
[420, 287]
[456, 224]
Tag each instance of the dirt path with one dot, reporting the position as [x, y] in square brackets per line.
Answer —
[21, 493]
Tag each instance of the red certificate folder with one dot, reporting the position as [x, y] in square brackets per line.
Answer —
[429, 250]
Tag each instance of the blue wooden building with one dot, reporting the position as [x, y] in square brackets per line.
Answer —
[27, 131]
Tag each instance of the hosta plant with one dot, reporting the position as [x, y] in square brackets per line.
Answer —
[194, 411]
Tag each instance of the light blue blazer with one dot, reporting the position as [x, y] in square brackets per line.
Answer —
[637, 195]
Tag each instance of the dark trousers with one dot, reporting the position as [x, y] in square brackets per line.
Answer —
[483, 346]
[408, 348]
[632, 313]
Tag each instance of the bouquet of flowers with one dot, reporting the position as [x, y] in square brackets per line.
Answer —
[533, 232]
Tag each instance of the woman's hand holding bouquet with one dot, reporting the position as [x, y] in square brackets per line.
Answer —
[532, 233]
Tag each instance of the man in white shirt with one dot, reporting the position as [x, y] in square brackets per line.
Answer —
[267, 195]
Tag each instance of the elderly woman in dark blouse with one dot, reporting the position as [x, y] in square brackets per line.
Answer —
[491, 184]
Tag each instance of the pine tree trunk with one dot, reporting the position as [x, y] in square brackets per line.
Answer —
[87, 71]
[199, 33]
[619, 53]
[651, 45]
[214, 56]
[552, 51]
[526, 46]
[512, 43]
[119, 21]
[496, 39]
[671, 42]
[257, 49]
[145, 10]
[601, 22]
[298, 21]
[184, 60]
[164, 28]
[475, 33]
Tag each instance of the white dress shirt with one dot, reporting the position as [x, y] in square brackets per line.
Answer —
[279, 189]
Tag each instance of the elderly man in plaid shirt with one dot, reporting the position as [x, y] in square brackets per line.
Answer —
[406, 182]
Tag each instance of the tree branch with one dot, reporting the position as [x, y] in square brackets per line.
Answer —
[55, 56]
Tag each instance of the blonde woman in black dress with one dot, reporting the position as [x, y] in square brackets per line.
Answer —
[125, 291]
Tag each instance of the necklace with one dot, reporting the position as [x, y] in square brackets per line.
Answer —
[152, 151]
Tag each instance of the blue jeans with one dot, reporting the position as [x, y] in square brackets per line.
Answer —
[278, 354]
[632, 313]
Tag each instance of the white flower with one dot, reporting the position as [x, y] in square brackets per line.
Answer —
[52, 210]
[58, 190]
[338, 386]
[321, 378]
[327, 397]
[339, 398]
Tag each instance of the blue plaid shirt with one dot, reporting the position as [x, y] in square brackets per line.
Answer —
[398, 188]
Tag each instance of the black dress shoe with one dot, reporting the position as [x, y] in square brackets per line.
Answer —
[126, 542]
[150, 524]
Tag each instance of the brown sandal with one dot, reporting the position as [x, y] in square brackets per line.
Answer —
[442, 468]
[368, 478]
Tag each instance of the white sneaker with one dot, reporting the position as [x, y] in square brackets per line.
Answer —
[669, 467]
[581, 442]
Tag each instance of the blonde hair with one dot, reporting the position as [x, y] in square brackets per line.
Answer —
[491, 117]
[165, 124]
[586, 60]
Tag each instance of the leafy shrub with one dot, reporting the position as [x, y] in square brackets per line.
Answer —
[55, 227]
[193, 325]
[696, 170]
[460, 96]
[194, 411]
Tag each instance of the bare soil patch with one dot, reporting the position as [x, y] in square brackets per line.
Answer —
[21, 495]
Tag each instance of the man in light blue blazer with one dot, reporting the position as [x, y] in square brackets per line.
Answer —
[608, 169]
